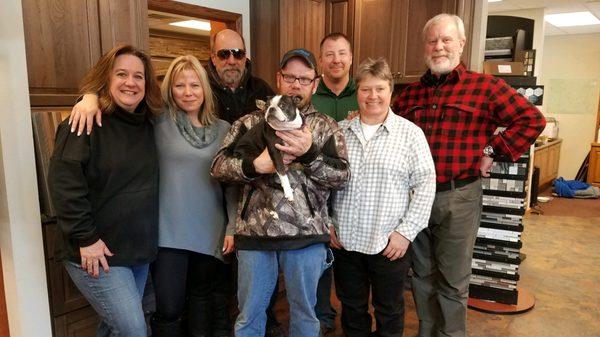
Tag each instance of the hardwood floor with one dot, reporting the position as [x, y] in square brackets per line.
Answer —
[562, 270]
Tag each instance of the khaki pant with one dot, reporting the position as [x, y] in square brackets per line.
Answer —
[442, 261]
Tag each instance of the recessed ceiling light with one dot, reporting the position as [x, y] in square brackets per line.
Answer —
[494, 0]
[572, 19]
[194, 24]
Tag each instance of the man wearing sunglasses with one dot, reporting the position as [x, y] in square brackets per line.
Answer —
[231, 80]
[273, 233]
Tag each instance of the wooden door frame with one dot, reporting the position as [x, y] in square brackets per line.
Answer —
[232, 20]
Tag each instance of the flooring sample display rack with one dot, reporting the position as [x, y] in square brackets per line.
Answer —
[496, 256]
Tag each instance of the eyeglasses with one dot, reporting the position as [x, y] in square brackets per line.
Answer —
[302, 80]
[224, 54]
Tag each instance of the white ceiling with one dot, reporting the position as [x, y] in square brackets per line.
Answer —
[553, 7]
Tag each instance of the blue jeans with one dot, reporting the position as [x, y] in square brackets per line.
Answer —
[257, 275]
[116, 296]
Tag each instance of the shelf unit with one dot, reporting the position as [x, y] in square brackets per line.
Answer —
[496, 256]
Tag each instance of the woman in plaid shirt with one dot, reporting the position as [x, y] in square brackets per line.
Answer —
[385, 205]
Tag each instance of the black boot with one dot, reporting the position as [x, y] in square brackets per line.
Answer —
[199, 317]
[164, 328]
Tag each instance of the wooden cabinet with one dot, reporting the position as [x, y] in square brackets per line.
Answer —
[280, 25]
[547, 158]
[65, 38]
[377, 28]
[593, 177]
[393, 29]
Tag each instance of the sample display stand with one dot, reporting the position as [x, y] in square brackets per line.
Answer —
[496, 256]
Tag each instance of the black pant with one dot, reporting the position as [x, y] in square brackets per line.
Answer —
[356, 274]
[203, 279]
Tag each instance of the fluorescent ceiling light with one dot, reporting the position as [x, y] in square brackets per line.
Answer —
[194, 24]
[572, 19]
[494, 0]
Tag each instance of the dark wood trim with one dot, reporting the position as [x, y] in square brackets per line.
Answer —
[233, 20]
[3, 312]
[53, 100]
[597, 122]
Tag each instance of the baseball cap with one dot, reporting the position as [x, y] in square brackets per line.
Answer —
[302, 53]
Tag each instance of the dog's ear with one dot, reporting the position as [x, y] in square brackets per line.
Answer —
[261, 105]
[296, 100]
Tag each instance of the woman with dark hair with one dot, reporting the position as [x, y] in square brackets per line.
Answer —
[193, 231]
[104, 188]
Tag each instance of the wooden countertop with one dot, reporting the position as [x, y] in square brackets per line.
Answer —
[548, 144]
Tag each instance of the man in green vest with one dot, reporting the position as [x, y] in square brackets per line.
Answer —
[335, 97]
[336, 93]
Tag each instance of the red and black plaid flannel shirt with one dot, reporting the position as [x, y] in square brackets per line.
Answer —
[459, 117]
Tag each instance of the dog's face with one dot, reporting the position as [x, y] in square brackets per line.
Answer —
[282, 113]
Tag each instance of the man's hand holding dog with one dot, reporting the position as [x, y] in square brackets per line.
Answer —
[297, 142]
[263, 164]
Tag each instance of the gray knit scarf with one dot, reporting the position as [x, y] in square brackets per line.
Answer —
[198, 137]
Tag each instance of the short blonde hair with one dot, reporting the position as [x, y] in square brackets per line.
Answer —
[207, 114]
[458, 22]
[377, 68]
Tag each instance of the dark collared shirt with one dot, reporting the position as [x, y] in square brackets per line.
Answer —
[335, 106]
[459, 115]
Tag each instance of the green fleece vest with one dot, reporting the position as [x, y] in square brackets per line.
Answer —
[337, 107]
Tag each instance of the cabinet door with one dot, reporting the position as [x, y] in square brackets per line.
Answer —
[415, 13]
[65, 38]
[302, 25]
[376, 32]
[540, 160]
[123, 21]
[594, 168]
[79, 323]
[553, 161]
[339, 17]
[62, 41]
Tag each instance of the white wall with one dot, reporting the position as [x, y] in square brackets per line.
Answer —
[235, 6]
[478, 39]
[20, 227]
[576, 59]
[536, 14]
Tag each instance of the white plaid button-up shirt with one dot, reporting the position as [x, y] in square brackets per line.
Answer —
[391, 188]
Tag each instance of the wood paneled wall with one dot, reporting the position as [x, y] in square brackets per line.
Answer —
[165, 46]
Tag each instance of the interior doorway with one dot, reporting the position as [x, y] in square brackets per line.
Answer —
[177, 29]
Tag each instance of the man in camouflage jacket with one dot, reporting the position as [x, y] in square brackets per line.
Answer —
[271, 232]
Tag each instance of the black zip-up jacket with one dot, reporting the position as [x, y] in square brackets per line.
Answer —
[105, 186]
[231, 105]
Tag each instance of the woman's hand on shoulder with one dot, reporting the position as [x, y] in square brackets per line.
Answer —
[84, 113]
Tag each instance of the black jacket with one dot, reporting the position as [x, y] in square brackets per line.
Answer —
[231, 105]
[105, 186]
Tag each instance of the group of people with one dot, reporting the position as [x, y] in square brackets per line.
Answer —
[379, 187]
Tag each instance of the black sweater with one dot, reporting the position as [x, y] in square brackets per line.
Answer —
[105, 186]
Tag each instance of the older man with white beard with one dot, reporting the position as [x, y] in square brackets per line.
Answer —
[458, 110]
